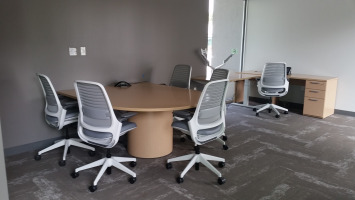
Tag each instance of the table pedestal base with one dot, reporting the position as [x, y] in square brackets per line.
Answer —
[153, 136]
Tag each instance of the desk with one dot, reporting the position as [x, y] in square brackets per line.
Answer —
[319, 96]
[154, 105]
[241, 93]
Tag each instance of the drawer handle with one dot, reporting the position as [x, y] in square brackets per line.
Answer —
[312, 99]
[315, 83]
[314, 91]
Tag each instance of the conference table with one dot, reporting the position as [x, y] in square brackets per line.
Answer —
[154, 105]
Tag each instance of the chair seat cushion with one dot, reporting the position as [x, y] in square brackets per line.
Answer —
[273, 90]
[123, 115]
[71, 115]
[96, 134]
[183, 126]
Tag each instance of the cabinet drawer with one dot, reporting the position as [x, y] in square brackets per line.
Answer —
[320, 94]
[313, 107]
[319, 85]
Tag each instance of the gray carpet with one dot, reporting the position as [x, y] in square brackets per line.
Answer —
[294, 157]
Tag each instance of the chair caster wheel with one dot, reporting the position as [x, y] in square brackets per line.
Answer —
[224, 138]
[74, 174]
[256, 114]
[221, 180]
[62, 163]
[38, 157]
[133, 164]
[221, 164]
[93, 188]
[179, 180]
[132, 180]
[182, 139]
[225, 147]
[68, 151]
[109, 171]
[197, 166]
[254, 109]
[92, 153]
[277, 116]
[286, 112]
[269, 110]
[169, 165]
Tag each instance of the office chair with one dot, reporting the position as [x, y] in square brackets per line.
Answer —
[206, 125]
[98, 125]
[218, 74]
[59, 114]
[181, 76]
[273, 83]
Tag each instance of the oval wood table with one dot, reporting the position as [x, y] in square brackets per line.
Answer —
[154, 105]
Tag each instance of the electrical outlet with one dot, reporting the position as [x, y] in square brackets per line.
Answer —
[72, 51]
[83, 51]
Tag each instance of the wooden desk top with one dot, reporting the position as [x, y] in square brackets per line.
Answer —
[251, 72]
[232, 77]
[310, 77]
[237, 76]
[294, 76]
[148, 97]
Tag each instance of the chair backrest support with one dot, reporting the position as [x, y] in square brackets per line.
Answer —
[181, 76]
[208, 121]
[273, 80]
[97, 123]
[54, 112]
[219, 74]
[274, 74]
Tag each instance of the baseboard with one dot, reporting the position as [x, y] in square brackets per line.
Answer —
[30, 147]
[344, 112]
[296, 106]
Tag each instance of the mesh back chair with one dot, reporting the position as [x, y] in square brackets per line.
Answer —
[181, 76]
[206, 125]
[218, 74]
[98, 125]
[59, 114]
[273, 83]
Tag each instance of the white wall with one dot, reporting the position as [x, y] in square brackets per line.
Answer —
[3, 181]
[227, 23]
[312, 36]
[227, 31]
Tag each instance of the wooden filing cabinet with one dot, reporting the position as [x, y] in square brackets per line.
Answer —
[319, 97]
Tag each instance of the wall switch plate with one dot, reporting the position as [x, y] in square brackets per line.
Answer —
[72, 51]
[83, 51]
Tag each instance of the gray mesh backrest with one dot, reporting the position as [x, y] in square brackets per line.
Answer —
[212, 103]
[181, 76]
[219, 74]
[50, 94]
[274, 74]
[95, 108]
